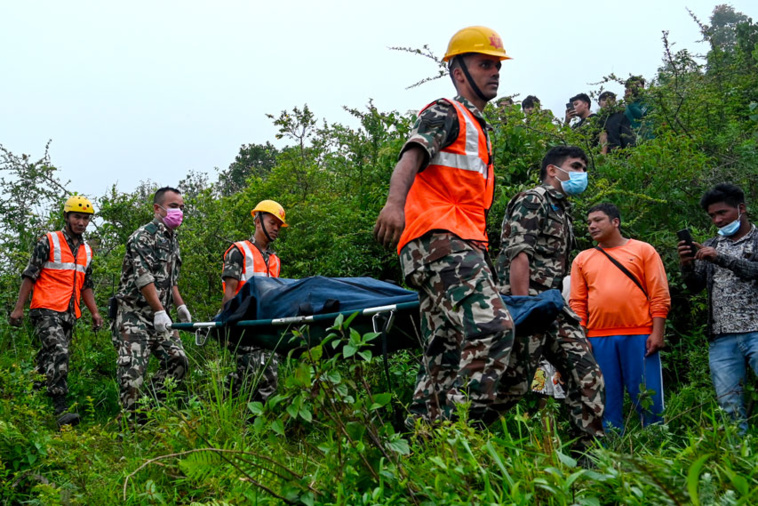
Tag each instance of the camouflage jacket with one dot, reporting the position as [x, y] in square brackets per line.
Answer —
[41, 254]
[152, 256]
[537, 222]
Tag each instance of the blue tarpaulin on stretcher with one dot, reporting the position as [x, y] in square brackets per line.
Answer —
[266, 310]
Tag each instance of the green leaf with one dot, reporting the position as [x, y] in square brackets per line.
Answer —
[255, 408]
[315, 353]
[306, 415]
[438, 462]
[693, 478]
[349, 350]
[380, 400]
[355, 430]
[292, 410]
[366, 355]
[278, 427]
[333, 377]
[399, 446]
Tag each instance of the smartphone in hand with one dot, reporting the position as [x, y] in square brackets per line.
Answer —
[686, 236]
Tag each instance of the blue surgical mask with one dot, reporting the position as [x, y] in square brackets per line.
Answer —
[732, 228]
[576, 183]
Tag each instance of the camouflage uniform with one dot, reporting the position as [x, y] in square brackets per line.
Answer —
[152, 256]
[467, 329]
[54, 329]
[538, 223]
[257, 369]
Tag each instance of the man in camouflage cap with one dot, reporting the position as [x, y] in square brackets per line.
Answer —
[440, 193]
[60, 273]
[537, 239]
[256, 368]
[146, 291]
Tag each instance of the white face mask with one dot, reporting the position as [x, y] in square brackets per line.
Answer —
[732, 228]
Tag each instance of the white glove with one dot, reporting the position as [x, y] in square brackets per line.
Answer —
[161, 321]
[184, 314]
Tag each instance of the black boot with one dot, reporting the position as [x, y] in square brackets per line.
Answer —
[60, 404]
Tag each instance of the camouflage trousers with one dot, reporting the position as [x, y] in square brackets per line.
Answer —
[467, 329]
[566, 347]
[136, 340]
[54, 331]
[257, 374]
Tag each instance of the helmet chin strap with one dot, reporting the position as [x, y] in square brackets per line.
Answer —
[471, 82]
[263, 227]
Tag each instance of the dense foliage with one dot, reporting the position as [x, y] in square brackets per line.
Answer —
[331, 434]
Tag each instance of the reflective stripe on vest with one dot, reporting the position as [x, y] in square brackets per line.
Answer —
[62, 276]
[57, 262]
[254, 263]
[455, 191]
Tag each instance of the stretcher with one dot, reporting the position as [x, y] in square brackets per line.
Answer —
[270, 312]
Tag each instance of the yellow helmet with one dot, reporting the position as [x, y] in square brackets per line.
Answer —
[269, 206]
[78, 204]
[476, 39]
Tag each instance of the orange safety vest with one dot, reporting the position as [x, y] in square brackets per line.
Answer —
[455, 191]
[62, 276]
[254, 264]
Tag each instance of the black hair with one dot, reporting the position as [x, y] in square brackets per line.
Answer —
[158, 197]
[530, 101]
[731, 195]
[456, 62]
[558, 155]
[608, 209]
[581, 96]
[605, 95]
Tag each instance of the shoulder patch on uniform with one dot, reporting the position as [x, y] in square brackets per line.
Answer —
[152, 228]
[532, 201]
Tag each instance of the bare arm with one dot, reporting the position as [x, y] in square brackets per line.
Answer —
[519, 274]
[89, 300]
[178, 301]
[655, 342]
[391, 221]
[230, 289]
[17, 315]
[151, 296]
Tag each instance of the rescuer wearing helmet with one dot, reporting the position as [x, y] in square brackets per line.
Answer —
[59, 273]
[242, 261]
[147, 290]
[440, 192]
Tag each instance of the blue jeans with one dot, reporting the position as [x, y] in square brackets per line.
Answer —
[729, 354]
[623, 362]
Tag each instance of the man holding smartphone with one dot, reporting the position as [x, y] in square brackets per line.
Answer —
[727, 267]
[578, 106]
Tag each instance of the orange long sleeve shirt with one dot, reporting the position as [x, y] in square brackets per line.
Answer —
[607, 301]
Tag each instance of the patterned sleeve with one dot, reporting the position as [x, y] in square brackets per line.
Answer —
[435, 128]
[40, 255]
[522, 226]
[743, 268]
[233, 264]
[141, 252]
[88, 278]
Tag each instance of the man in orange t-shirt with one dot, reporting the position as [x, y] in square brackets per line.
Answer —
[620, 292]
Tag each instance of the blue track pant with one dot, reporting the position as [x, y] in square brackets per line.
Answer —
[623, 363]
